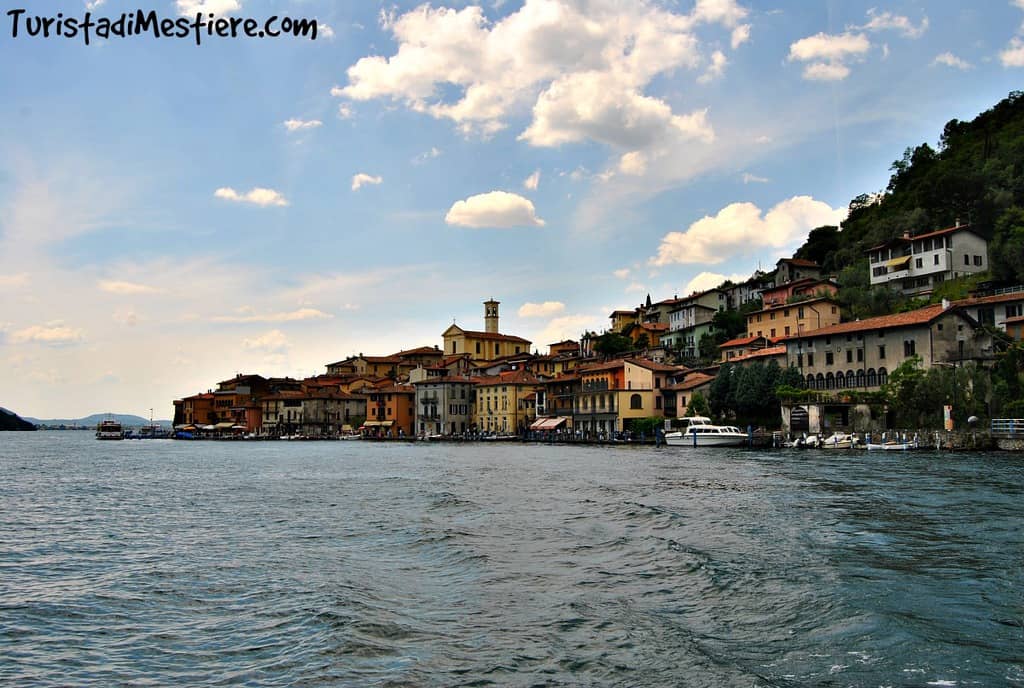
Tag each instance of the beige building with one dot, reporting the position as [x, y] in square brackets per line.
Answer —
[506, 403]
[614, 393]
[487, 345]
[793, 319]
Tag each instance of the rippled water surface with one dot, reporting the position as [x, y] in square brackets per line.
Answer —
[349, 563]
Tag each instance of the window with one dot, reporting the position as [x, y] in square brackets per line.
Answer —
[800, 312]
[636, 402]
[787, 330]
[773, 332]
[453, 347]
[909, 347]
[785, 313]
[1014, 310]
[799, 360]
[967, 259]
[935, 259]
[860, 355]
[918, 263]
[849, 355]
[810, 360]
[828, 358]
[833, 310]
[977, 260]
[881, 351]
[828, 340]
[771, 316]
[478, 347]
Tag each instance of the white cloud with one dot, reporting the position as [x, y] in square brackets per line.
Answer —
[950, 60]
[1013, 56]
[204, 7]
[569, 327]
[494, 209]
[301, 124]
[826, 71]
[16, 280]
[749, 178]
[715, 69]
[541, 310]
[272, 342]
[532, 181]
[51, 334]
[344, 111]
[256, 196]
[763, 139]
[622, 273]
[547, 54]
[882, 21]
[324, 30]
[709, 280]
[246, 316]
[740, 228]
[599, 107]
[426, 155]
[635, 287]
[126, 288]
[827, 54]
[633, 163]
[94, 4]
[361, 179]
[740, 35]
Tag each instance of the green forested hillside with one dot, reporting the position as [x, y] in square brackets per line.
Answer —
[975, 176]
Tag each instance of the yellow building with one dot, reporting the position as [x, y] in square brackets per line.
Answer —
[615, 393]
[621, 319]
[487, 345]
[793, 319]
[506, 403]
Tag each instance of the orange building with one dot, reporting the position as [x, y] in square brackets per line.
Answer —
[390, 411]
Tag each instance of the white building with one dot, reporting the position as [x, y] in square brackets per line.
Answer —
[915, 264]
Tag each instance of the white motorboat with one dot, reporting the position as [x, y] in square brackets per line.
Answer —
[109, 430]
[897, 444]
[840, 440]
[700, 432]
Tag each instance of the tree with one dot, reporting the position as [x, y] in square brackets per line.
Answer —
[698, 406]
[612, 343]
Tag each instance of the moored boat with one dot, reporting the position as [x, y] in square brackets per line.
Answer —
[840, 440]
[700, 432]
[109, 430]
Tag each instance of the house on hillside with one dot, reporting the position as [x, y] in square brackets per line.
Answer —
[914, 265]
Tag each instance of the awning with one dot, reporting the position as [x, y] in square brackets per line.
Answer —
[547, 423]
[898, 262]
[378, 423]
[224, 426]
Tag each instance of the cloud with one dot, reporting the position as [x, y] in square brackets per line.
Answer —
[740, 228]
[344, 111]
[950, 60]
[126, 288]
[541, 310]
[16, 280]
[569, 327]
[494, 209]
[426, 155]
[204, 7]
[622, 273]
[715, 69]
[883, 21]
[272, 342]
[51, 334]
[532, 181]
[635, 287]
[633, 163]
[457, 65]
[286, 316]
[94, 4]
[827, 54]
[324, 30]
[301, 124]
[256, 196]
[1013, 56]
[361, 179]
[709, 280]
[749, 178]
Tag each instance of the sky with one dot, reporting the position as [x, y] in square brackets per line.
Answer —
[174, 214]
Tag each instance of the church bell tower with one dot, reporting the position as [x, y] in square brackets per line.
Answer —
[491, 316]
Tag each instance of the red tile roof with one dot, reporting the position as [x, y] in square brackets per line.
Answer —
[692, 381]
[509, 377]
[800, 262]
[495, 336]
[768, 351]
[926, 235]
[921, 316]
[419, 351]
[995, 298]
[739, 341]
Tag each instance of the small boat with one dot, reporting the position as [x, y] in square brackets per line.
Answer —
[897, 444]
[840, 440]
[109, 430]
[350, 436]
[700, 432]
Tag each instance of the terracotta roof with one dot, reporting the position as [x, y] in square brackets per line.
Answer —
[921, 316]
[622, 312]
[447, 378]
[739, 341]
[926, 235]
[241, 378]
[419, 351]
[800, 262]
[692, 381]
[760, 353]
[655, 327]
[495, 336]
[509, 377]
[652, 365]
[1015, 320]
[603, 365]
[394, 389]
[995, 298]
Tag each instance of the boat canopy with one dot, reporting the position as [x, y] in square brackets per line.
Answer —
[547, 423]
[227, 425]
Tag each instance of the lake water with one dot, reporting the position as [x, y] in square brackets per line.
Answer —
[350, 563]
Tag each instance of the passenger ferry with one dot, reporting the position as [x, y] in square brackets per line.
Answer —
[109, 430]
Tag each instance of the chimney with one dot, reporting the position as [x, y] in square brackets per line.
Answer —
[906, 234]
[945, 304]
[491, 316]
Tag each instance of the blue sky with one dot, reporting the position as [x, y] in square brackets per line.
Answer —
[172, 214]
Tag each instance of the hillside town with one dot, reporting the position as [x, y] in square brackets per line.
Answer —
[656, 363]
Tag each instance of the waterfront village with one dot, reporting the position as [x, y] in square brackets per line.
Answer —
[485, 383]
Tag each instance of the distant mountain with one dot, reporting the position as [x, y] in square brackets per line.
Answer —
[125, 419]
[10, 421]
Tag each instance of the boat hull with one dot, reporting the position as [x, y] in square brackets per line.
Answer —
[687, 440]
